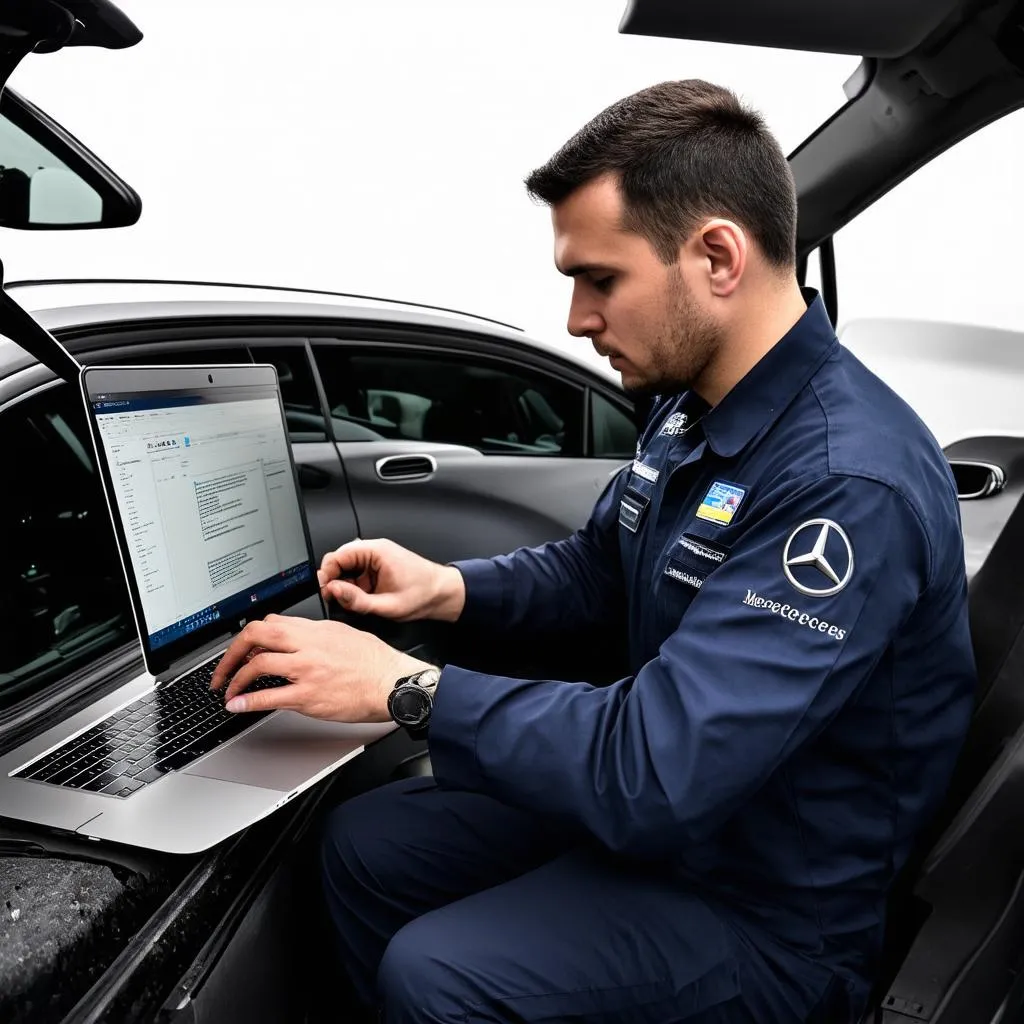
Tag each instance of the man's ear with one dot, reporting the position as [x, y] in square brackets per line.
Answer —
[724, 249]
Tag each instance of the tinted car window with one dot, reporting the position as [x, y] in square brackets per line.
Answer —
[493, 406]
[302, 409]
[613, 434]
[175, 355]
[63, 598]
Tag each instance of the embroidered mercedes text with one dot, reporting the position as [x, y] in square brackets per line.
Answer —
[787, 611]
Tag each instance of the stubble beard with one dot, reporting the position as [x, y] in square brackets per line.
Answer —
[681, 347]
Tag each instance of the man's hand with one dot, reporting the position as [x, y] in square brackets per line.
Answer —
[336, 672]
[391, 581]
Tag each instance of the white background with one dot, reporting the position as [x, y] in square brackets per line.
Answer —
[376, 146]
[379, 147]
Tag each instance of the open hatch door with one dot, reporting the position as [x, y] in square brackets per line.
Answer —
[865, 28]
[49, 181]
[933, 72]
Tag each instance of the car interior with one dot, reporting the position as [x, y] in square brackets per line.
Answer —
[434, 399]
[97, 933]
[37, 603]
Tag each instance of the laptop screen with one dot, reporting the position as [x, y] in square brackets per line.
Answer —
[207, 504]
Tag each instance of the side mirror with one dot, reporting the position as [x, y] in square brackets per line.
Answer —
[50, 181]
[976, 479]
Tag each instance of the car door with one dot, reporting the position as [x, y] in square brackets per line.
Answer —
[456, 449]
[323, 484]
[69, 635]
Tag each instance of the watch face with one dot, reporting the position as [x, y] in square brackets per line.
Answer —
[410, 705]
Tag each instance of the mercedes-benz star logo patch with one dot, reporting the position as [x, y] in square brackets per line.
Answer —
[818, 558]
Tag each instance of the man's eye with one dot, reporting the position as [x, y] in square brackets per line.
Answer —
[604, 284]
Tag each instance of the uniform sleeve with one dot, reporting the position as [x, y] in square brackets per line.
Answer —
[755, 669]
[569, 584]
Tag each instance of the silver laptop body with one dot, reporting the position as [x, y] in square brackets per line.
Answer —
[204, 500]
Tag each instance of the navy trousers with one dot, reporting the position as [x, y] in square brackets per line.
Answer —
[450, 906]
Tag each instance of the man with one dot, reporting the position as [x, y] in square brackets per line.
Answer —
[711, 838]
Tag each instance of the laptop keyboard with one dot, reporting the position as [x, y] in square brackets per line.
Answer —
[162, 731]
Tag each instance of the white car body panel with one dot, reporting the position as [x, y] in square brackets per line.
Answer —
[962, 380]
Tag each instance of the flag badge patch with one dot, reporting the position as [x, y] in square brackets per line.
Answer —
[721, 503]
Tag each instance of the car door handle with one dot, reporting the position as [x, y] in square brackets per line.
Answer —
[976, 479]
[405, 467]
[312, 478]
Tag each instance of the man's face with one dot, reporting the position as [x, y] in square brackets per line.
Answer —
[646, 317]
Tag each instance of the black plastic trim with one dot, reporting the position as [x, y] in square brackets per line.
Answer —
[101, 23]
[33, 339]
[206, 959]
[878, 140]
[829, 285]
[325, 408]
[869, 26]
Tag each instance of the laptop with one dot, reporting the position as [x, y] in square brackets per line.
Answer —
[204, 500]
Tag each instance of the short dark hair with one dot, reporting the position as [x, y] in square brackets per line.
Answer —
[683, 151]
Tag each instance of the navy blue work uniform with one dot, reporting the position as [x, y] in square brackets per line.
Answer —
[710, 839]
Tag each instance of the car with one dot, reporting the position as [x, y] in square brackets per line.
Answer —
[456, 436]
[451, 434]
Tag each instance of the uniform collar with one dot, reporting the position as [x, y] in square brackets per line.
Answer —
[759, 398]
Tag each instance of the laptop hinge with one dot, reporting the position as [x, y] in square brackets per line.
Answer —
[186, 664]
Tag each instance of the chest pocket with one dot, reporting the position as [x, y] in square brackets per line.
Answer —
[696, 553]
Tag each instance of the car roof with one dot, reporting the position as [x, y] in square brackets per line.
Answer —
[94, 302]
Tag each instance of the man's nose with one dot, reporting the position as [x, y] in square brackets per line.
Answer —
[584, 322]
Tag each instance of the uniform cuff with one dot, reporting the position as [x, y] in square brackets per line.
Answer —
[485, 591]
[453, 725]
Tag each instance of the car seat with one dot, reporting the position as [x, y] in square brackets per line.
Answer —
[965, 954]
[962, 878]
[445, 423]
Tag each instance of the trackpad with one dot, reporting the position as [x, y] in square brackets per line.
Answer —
[286, 750]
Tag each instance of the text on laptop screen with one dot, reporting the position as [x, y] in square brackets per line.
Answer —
[205, 491]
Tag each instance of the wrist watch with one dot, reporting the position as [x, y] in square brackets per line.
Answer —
[412, 700]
